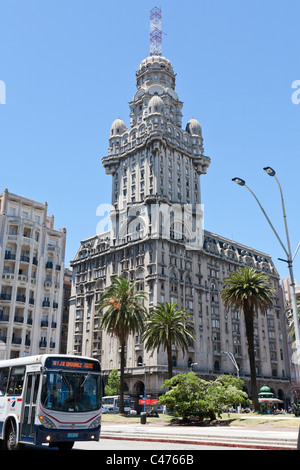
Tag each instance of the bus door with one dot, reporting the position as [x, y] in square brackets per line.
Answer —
[29, 406]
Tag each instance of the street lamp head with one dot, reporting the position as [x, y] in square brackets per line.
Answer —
[269, 170]
[239, 181]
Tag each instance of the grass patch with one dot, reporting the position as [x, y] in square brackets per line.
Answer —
[230, 419]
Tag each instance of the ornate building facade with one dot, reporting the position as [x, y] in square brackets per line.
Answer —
[31, 284]
[156, 238]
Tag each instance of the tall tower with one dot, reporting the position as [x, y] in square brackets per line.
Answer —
[156, 164]
[154, 161]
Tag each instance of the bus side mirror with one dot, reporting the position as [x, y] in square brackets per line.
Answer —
[103, 387]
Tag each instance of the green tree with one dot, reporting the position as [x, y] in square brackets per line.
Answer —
[113, 383]
[124, 314]
[248, 290]
[167, 326]
[190, 395]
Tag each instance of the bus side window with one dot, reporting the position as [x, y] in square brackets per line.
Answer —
[4, 372]
[16, 379]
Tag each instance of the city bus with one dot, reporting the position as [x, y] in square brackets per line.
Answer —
[114, 401]
[53, 399]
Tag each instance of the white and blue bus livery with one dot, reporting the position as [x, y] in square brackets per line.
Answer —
[54, 399]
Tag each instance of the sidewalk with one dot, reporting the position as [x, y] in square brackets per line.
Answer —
[227, 436]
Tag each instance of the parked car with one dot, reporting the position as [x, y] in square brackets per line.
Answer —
[110, 409]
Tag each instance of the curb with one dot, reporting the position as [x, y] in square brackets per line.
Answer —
[202, 442]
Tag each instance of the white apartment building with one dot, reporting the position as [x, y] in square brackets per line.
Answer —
[156, 238]
[31, 277]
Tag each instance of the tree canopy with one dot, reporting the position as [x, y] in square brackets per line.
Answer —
[189, 395]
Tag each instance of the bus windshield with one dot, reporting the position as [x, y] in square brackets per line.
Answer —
[71, 391]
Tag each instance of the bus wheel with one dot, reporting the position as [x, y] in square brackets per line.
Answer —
[65, 445]
[11, 438]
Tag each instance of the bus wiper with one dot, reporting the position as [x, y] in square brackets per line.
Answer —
[65, 379]
[85, 379]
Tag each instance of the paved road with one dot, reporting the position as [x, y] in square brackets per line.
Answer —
[136, 446]
[112, 445]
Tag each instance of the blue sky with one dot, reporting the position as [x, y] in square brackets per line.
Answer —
[69, 70]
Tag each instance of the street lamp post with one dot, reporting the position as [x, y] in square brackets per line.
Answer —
[287, 251]
[232, 358]
[145, 395]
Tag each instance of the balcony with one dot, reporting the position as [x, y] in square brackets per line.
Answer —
[43, 343]
[5, 296]
[25, 258]
[16, 340]
[9, 255]
[46, 303]
[49, 265]
[4, 318]
[18, 319]
[55, 305]
[44, 323]
[21, 298]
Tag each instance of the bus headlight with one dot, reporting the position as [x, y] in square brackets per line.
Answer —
[46, 422]
[95, 423]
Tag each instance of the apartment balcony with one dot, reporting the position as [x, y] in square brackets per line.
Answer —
[18, 319]
[43, 344]
[8, 276]
[49, 265]
[5, 296]
[22, 278]
[16, 340]
[24, 258]
[44, 323]
[4, 318]
[46, 303]
[11, 256]
[21, 298]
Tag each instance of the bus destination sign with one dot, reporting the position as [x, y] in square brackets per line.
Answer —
[71, 364]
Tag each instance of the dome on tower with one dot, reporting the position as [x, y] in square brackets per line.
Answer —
[193, 127]
[118, 127]
[155, 61]
[156, 104]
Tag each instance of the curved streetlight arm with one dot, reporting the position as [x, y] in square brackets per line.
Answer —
[269, 221]
[232, 358]
[296, 251]
[284, 217]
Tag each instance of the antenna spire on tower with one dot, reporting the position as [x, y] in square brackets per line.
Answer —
[155, 32]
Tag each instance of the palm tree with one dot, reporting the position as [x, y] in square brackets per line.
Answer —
[250, 291]
[124, 316]
[166, 326]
